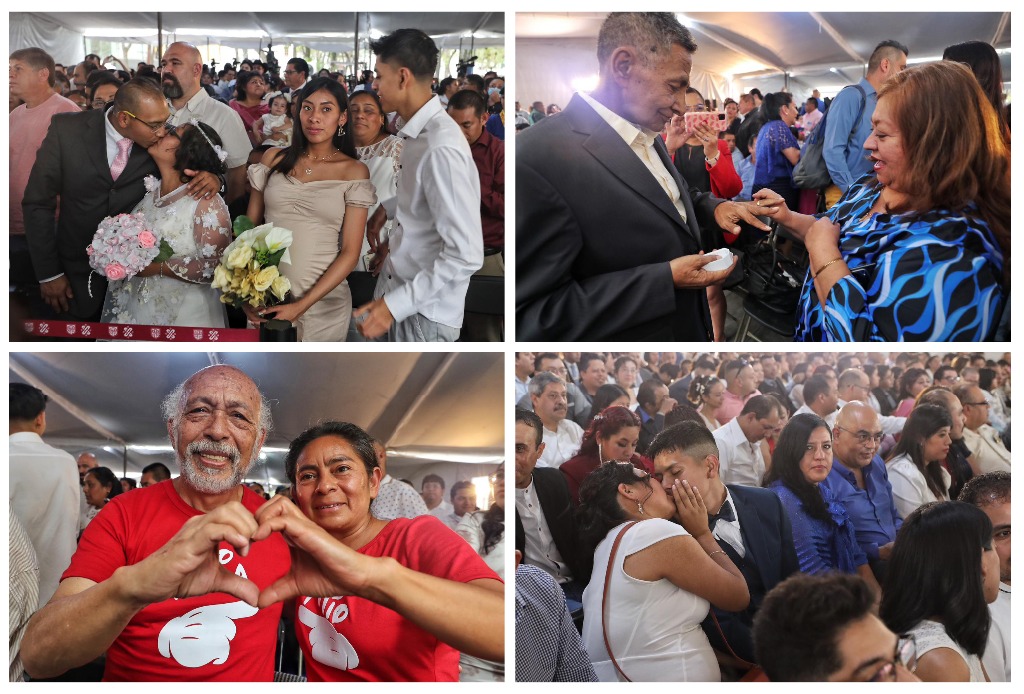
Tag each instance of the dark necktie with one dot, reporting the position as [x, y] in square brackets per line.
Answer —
[725, 513]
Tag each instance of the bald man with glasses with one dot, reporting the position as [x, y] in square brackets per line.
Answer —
[859, 480]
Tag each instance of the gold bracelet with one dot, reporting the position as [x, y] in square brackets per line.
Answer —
[822, 268]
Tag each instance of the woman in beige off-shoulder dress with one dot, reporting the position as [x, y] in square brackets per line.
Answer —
[320, 191]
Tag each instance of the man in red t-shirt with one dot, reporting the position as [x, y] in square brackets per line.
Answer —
[166, 580]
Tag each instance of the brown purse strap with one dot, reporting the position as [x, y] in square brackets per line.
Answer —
[745, 663]
[604, 599]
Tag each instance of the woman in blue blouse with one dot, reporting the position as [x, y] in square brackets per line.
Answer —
[822, 531]
[919, 249]
[777, 148]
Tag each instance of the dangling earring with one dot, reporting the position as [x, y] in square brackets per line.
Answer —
[341, 130]
[600, 456]
[640, 508]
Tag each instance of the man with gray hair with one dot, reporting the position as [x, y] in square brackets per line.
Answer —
[562, 437]
[609, 237]
[165, 580]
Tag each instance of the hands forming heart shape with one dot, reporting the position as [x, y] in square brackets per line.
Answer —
[189, 564]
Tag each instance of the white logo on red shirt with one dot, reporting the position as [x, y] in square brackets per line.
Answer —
[327, 646]
[204, 635]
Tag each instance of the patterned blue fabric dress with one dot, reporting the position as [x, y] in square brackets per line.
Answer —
[917, 277]
[821, 546]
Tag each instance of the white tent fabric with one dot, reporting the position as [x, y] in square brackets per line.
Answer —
[63, 32]
[435, 412]
[737, 51]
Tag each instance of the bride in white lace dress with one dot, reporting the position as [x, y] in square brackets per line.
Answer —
[177, 291]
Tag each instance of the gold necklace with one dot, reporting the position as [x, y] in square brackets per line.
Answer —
[309, 171]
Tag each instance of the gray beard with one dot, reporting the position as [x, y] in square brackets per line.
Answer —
[200, 480]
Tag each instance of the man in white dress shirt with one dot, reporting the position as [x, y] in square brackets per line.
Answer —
[991, 493]
[562, 436]
[44, 488]
[432, 491]
[394, 499]
[989, 453]
[545, 526]
[821, 399]
[180, 71]
[855, 386]
[738, 441]
[438, 241]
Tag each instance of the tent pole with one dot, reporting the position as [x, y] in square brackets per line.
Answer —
[159, 36]
[355, 68]
[124, 461]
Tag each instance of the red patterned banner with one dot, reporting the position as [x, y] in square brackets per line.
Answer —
[149, 333]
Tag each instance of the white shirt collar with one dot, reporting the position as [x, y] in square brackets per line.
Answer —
[420, 119]
[628, 131]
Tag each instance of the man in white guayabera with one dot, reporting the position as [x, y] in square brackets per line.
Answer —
[145, 584]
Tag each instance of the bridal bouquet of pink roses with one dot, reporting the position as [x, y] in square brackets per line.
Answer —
[124, 245]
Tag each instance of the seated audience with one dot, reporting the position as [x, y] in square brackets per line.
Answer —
[824, 629]
[750, 524]
[860, 482]
[548, 647]
[608, 395]
[989, 454]
[991, 493]
[943, 573]
[915, 464]
[742, 461]
[562, 436]
[823, 534]
[653, 581]
[707, 393]
[612, 436]
[545, 524]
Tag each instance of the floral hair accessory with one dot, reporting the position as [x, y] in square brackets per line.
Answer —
[218, 150]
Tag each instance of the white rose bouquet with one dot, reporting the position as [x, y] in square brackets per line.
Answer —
[248, 269]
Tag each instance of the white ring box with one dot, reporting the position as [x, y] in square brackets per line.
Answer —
[724, 261]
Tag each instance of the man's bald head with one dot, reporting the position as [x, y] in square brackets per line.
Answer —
[86, 462]
[857, 435]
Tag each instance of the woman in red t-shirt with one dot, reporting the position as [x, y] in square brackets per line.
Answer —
[375, 600]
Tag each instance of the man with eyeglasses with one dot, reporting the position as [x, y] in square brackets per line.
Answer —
[824, 629]
[180, 71]
[92, 164]
[855, 386]
[859, 480]
[578, 404]
[989, 453]
[296, 74]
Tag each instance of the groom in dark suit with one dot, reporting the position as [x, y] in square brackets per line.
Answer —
[91, 165]
[749, 523]
[607, 235]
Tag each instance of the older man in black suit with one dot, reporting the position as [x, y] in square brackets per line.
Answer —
[545, 529]
[750, 524]
[91, 165]
[609, 241]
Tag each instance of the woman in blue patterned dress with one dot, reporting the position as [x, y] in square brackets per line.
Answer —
[823, 534]
[919, 249]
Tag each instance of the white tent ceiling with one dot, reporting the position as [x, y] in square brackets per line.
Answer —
[434, 411]
[738, 51]
[326, 31]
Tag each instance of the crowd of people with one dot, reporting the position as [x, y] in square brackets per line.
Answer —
[194, 577]
[790, 516]
[894, 207]
[394, 174]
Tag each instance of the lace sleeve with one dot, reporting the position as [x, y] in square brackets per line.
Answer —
[211, 230]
